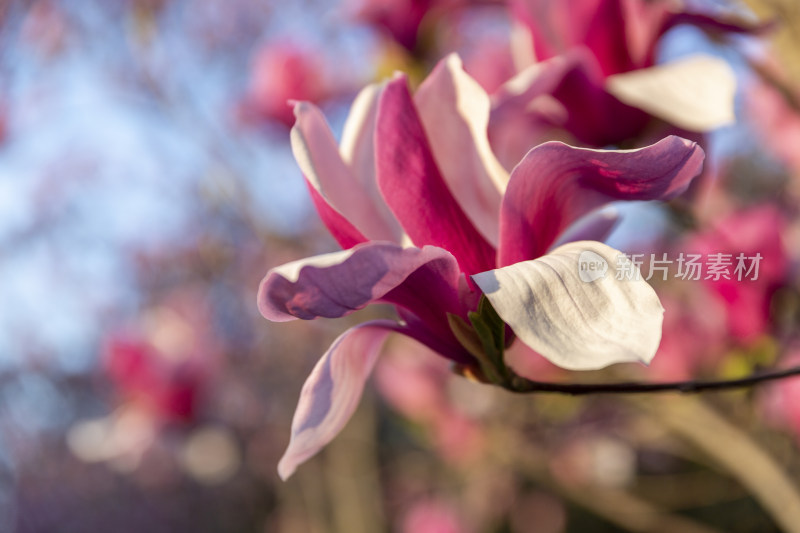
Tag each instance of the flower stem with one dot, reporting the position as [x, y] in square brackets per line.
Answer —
[521, 385]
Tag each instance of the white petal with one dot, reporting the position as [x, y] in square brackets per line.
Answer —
[291, 270]
[694, 93]
[358, 151]
[359, 129]
[577, 324]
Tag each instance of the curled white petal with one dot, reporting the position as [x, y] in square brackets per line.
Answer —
[695, 93]
[571, 307]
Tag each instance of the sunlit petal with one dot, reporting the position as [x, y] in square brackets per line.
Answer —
[454, 110]
[335, 284]
[570, 307]
[414, 188]
[557, 184]
[695, 93]
[337, 194]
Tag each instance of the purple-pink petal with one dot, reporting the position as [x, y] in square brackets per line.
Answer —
[556, 184]
[566, 92]
[414, 188]
[336, 284]
[332, 391]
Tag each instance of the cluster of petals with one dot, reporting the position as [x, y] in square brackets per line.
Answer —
[429, 221]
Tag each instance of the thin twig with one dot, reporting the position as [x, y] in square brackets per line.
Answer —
[522, 385]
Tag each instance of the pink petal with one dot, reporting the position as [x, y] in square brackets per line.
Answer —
[334, 285]
[565, 92]
[332, 392]
[557, 184]
[415, 190]
[338, 226]
[594, 116]
[454, 111]
[337, 194]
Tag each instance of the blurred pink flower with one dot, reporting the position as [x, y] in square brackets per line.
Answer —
[45, 28]
[749, 233]
[776, 119]
[281, 72]
[164, 363]
[3, 121]
[400, 19]
[694, 334]
[142, 377]
[432, 516]
[428, 221]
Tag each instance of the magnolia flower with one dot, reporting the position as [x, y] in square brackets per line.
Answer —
[568, 95]
[622, 34]
[592, 76]
[429, 221]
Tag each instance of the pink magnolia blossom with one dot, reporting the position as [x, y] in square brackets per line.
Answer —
[163, 364]
[569, 97]
[429, 221]
[280, 72]
[594, 80]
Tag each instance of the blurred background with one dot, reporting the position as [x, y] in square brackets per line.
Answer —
[147, 185]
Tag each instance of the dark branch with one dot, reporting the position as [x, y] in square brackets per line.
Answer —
[522, 385]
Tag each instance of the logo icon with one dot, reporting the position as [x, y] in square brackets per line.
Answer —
[591, 266]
